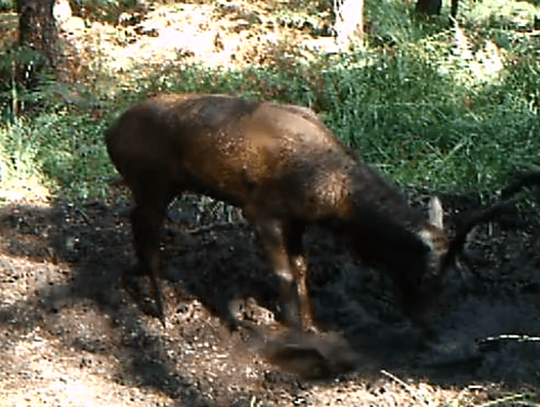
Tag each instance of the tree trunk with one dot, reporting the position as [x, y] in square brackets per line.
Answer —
[454, 8]
[429, 7]
[37, 32]
[349, 25]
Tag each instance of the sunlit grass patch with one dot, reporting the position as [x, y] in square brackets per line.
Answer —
[429, 105]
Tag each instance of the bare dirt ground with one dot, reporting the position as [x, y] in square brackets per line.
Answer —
[73, 336]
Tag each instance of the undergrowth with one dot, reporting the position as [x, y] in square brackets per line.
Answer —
[444, 109]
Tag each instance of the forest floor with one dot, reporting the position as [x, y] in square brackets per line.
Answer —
[73, 336]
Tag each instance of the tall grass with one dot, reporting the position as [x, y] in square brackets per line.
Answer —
[448, 110]
[65, 150]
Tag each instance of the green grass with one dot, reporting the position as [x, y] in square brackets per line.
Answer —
[419, 102]
[65, 150]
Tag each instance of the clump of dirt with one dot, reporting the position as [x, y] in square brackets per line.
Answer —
[70, 329]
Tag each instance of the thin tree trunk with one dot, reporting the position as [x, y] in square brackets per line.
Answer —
[429, 7]
[454, 8]
[349, 25]
[38, 32]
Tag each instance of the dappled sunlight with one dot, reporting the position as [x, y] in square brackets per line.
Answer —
[46, 378]
[183, 34]
[516, 14]
[26, 189]
[483, 65]
[490, 62]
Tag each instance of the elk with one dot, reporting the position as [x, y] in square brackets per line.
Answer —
[286, 170]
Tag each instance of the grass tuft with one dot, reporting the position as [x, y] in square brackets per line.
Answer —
[433, 107]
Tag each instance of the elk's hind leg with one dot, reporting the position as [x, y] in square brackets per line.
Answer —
[152, 196]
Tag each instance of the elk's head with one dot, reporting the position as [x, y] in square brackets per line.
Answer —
[443, 255]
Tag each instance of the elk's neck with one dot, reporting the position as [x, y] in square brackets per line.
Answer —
[379, 223]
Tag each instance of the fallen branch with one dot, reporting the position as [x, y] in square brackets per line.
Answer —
[513, 397]
[408, 388]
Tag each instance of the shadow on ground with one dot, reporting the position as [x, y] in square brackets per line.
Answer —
[60, 270]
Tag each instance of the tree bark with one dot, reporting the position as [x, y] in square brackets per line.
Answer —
[429, 7]
[454, 8]
[38, 32]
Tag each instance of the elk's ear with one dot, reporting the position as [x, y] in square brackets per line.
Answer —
[435, 212]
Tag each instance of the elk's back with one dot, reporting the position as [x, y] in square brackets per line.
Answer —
[232, 149]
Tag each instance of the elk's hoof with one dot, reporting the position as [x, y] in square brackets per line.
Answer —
[132, 284]
[140, 294]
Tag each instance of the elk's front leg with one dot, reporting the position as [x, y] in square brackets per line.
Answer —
[270, 236]
[146, 228]
[294, 232]
[151, 200]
